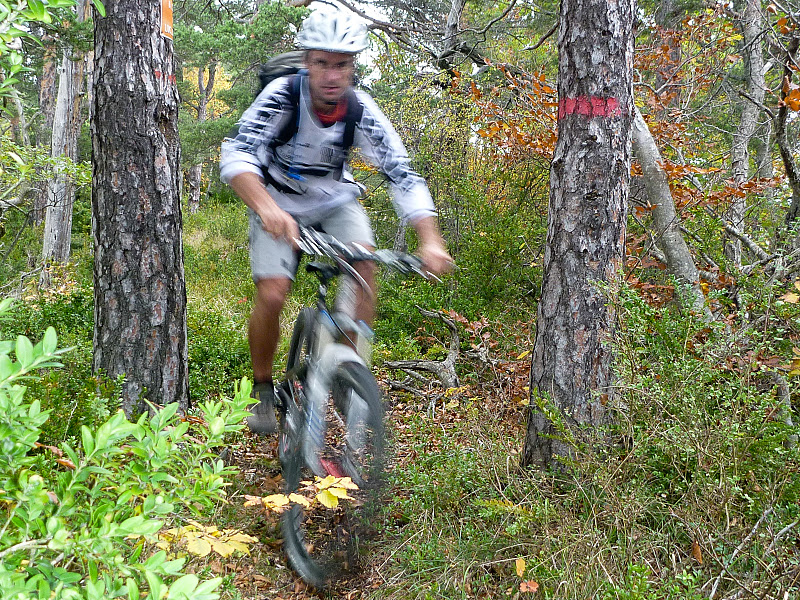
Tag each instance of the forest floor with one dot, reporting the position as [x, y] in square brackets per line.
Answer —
[265, 574]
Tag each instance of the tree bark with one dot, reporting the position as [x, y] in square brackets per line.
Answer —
[666, 222]
[19, 122]
[792, 169]
[572, 359]
[48, 86]
[139, 289]
[751, 27]
[64, 145]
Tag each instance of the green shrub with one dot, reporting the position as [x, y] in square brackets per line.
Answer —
[79, 522]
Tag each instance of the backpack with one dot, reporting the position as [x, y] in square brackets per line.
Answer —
[292, 64]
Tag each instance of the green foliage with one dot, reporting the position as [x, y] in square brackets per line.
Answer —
[72, 395]
[695, 477]
[16, 18]
[218, 353]
[85, 527]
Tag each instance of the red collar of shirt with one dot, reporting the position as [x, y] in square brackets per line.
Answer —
[337, 115]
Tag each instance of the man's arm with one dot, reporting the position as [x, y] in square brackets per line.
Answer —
[275, 221]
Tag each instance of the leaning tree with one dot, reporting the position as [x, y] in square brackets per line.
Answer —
[139, 290]
[572, 361]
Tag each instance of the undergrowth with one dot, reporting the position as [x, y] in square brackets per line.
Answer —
[84, 519]
[693, 488]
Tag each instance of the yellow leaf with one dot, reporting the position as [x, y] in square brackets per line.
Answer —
[520, 565]
[327, 499]
[323, 484]
[797, 284]
[339, 493]
[347, 483]
[298, 499]
[222, 548]
[243, 537]
[199, 547]
[523, 355]
[275, 500]
[239, 546]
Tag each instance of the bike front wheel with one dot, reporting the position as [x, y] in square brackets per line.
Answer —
[323, 542]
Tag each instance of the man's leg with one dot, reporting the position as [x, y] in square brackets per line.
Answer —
[264, 330]
[263, 334]
[365, 300]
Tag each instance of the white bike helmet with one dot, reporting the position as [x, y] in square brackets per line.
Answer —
[333, 32]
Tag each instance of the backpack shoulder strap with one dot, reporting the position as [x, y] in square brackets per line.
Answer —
[355, 110]
[290, 129]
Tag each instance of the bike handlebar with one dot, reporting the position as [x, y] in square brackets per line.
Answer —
[316, 243]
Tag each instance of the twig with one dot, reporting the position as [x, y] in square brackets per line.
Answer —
[780, 534]
[23, 546]
[445, 370]
[744, 542]
[553, 29]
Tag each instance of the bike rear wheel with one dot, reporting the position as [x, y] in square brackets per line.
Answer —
[322, 543]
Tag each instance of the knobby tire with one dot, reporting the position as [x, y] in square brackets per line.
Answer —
[321, 544]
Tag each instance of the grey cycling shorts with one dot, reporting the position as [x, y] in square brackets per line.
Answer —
[270, 257]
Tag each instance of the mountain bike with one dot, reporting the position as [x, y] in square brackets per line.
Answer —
[331, 415]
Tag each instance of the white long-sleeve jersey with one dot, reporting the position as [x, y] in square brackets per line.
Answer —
[307, 173]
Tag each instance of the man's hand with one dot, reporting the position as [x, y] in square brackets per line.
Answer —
[275, 221]
[278, 223]
[435, 257]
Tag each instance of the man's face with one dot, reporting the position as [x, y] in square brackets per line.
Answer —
[329, 76]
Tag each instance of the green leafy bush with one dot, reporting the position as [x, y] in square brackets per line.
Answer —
[78, 522]
[72, 395]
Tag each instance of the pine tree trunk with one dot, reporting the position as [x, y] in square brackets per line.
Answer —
[139, 290]
[572, 358]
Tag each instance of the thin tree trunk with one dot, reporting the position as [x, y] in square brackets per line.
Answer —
[792, 170]
[20, 124]
[666, 222]
[751, 26]
[48, 87]
[572, 359]
[64, 145]
[139, 291]
[194, 175]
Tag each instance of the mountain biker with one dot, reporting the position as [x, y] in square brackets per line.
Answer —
[305, 180]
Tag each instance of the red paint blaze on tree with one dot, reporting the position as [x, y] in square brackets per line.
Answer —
[572, 361]
[139, 292]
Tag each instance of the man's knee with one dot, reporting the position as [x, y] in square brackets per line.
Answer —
[271, 292]
[367, 269]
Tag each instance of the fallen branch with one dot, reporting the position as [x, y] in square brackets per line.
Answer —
[444, 370]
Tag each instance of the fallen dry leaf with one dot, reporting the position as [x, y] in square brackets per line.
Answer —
[529, 586]
[696, 553]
